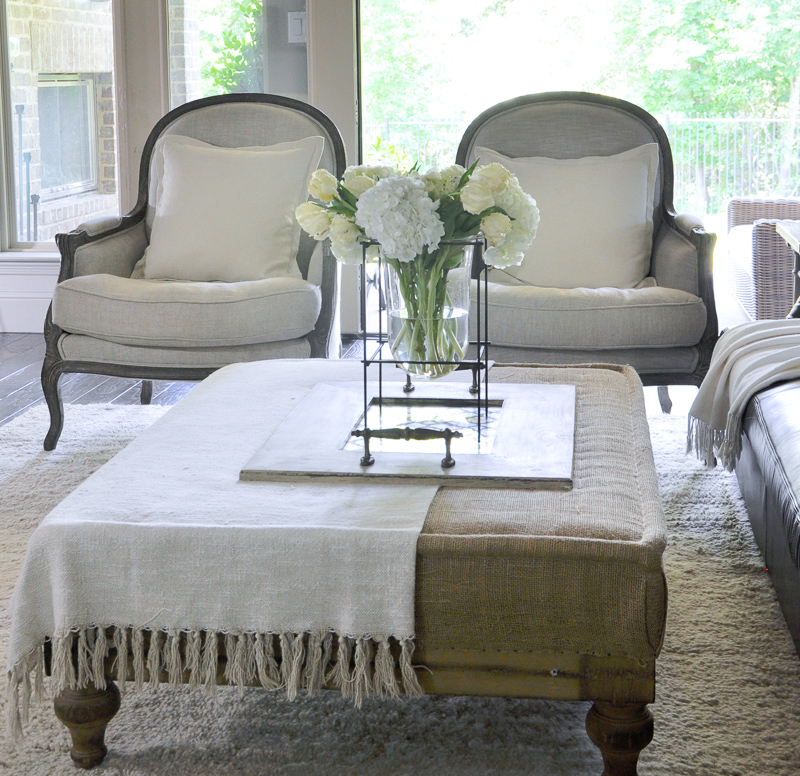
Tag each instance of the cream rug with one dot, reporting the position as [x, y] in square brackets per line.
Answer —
[728, 678]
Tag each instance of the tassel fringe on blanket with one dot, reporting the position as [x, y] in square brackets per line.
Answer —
[360, 667]
[746, 359]
[713, 444]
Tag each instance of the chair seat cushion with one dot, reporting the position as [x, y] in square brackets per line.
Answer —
[592, 318]
[162, 313]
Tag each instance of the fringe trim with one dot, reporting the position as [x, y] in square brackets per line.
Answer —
[711, 445]
[360, 667]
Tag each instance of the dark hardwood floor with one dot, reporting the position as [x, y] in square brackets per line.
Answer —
[20, 387]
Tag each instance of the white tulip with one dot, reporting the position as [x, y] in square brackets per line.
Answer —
[322, 185]
[313, 219]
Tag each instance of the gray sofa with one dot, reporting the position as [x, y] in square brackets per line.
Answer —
[769, 477]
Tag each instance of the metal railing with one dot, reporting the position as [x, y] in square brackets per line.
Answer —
[715, 158]
[719, 158]
[27, 203]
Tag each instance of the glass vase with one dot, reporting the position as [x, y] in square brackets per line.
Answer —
[427, 303]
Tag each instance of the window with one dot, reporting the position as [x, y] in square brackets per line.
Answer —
[60, 112]
[224, 46]
[722, 78]
[67, 135]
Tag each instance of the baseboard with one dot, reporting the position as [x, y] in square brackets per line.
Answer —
[26, 288]
[23, 312]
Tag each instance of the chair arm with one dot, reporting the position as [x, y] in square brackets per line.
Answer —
[747, 210]
[682, 258]
[97, 225]
[685, 223]
[773, 270]
[680, 251]
[103, 245]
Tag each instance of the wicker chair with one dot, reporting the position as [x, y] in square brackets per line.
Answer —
[760, 263]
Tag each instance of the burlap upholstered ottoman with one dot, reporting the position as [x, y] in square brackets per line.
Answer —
[523, 593]
[556, 595]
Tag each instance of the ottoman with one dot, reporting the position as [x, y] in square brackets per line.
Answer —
[519, 593]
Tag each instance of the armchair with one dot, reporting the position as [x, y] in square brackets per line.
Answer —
[760, 263]
[110, 315]
[662, 321]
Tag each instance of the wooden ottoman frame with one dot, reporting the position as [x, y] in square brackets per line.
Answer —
[618, 722]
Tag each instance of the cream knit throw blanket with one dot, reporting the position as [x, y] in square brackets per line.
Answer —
[164, 554]
[746, 360]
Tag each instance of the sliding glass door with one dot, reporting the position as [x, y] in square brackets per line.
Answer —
[224, 46]
[429, 68]
[723, 78]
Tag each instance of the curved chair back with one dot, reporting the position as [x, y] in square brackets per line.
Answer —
[241, 120]
[571, 125]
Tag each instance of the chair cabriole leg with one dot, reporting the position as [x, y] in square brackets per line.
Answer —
[664, 400]
[620, 732]
[147, 391]
[86, 713]
[50, 376]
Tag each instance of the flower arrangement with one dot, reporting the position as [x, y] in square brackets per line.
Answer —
[409, 215]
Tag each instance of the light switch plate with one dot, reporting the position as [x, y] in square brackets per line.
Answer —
[297, 26]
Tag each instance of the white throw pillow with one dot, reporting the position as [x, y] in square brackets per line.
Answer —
[228, 213]
[596, 227]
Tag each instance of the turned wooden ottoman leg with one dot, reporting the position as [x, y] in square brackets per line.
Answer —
[620, 732]
[86, 714]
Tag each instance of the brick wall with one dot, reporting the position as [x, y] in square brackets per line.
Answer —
[184, 52]
[61, 37]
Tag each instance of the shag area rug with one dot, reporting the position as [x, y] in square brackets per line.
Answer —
[728, 693]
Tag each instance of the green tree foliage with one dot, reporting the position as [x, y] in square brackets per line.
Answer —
[399, 56]
[715, 57]
[239, 50]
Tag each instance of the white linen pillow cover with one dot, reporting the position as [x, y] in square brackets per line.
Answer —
[596, 227]
[227, 214]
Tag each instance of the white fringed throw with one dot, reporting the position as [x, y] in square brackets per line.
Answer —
[747, 359]
[165, 555]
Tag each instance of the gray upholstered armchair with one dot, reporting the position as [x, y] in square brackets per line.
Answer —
[160, 294]
[577, 300]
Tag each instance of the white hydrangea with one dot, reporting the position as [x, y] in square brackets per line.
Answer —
[398, 213]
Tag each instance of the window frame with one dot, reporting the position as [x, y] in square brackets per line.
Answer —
[142, 93]
[54, 80]
[12, 248]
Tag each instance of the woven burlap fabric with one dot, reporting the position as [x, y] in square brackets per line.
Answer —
[548, 571]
